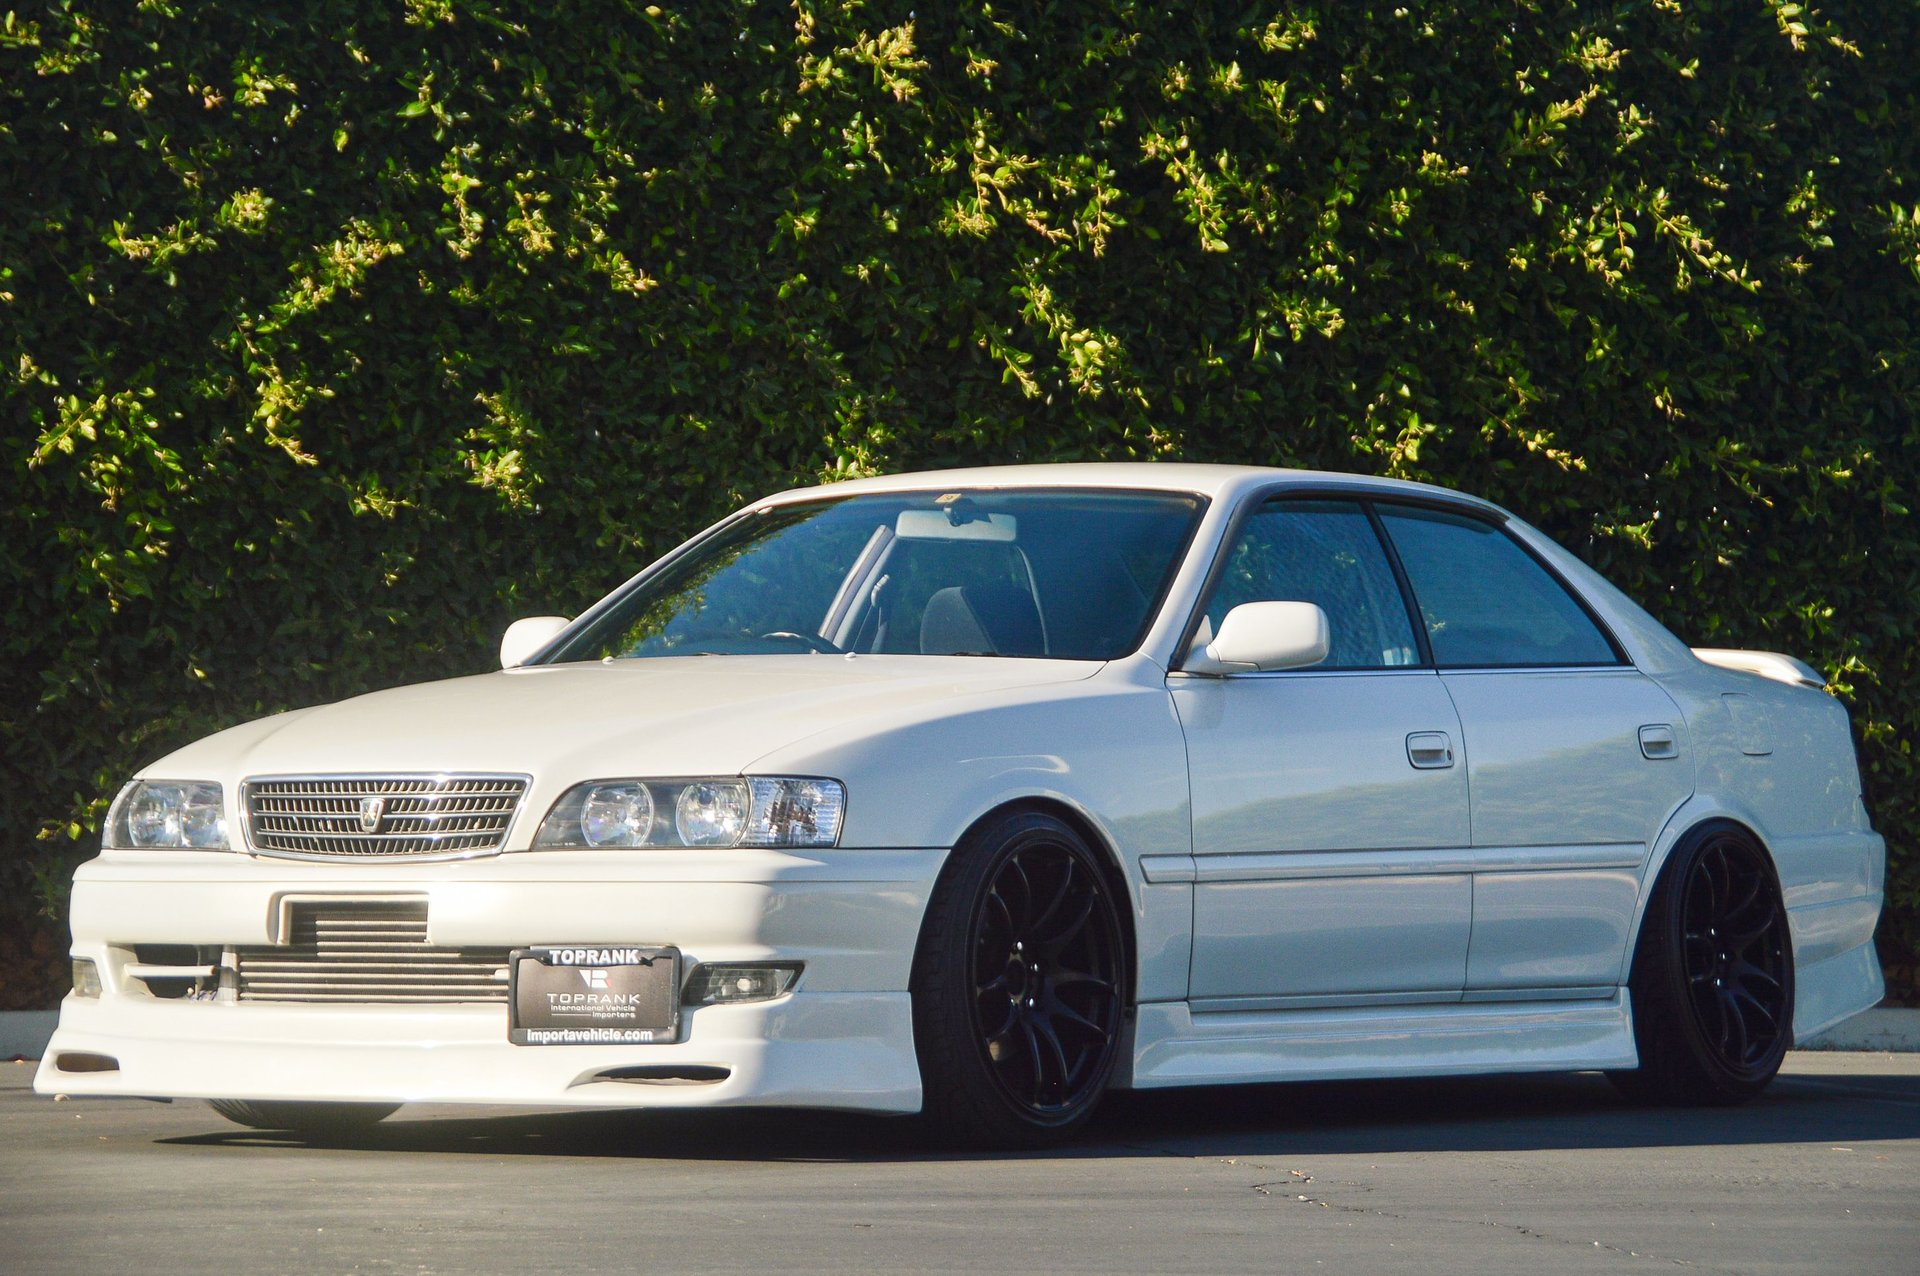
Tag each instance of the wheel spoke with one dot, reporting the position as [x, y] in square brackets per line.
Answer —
[1745, 972]
[1736, 1026]
[1056, 1053]
[1746, 898]
[1710, 1011]
[1009, 1013]
[1062, 1010]
[995, 940]
[997, 903]
[1012, 1055]
[1707, 889]
[1744, 932]
[1017, 919]
[1062, 976]
[1033, 1055]
[1056, 943]
[1754, 1007]
[1042, 924]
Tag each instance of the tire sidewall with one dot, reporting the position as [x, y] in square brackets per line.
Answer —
[1672, 999]
[952, 1055]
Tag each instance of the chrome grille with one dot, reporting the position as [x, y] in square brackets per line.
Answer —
[372, 816]
[375, 951]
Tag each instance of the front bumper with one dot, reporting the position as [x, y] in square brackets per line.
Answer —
[841, 1039]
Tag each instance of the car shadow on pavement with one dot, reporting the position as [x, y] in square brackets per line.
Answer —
[1504, 1113]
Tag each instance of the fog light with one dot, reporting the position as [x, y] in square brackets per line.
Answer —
[720, 985]
[86, 978]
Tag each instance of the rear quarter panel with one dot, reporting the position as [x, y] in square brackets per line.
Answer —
[1780, 759]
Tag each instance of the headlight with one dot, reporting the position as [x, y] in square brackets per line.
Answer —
[617, 815]
[782, 811]
[167, 813]
[711, 813]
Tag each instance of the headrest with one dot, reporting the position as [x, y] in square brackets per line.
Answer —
[999, 619]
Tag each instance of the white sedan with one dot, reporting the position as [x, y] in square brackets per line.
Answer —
[982, 793]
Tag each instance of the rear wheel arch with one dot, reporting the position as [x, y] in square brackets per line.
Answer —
[1711, 971]
[1683, 827]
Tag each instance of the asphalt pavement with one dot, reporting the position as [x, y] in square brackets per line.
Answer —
[1483, 1175]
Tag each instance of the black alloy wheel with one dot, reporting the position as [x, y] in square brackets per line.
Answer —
[1045, 986]
[1712, 981]
[1734, 952]
[1018, 986]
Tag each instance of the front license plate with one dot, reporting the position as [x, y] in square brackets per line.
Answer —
[593, 996]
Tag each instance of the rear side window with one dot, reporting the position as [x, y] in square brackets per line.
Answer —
[1486, 601]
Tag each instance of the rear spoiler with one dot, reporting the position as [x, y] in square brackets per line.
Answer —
[1768, 664]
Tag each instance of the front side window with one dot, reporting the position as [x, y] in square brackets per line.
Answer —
[1322, 552]
[1061, 574]
[1485, 600]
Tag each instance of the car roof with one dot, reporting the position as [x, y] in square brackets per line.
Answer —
[1214, 481]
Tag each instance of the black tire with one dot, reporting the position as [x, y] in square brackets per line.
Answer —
[302, 1118]
[1018, 986]
[1712, 979]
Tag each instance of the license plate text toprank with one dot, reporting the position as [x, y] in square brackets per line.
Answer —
[598, 957]
[595, 1000]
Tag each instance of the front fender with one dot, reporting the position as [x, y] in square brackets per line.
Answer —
[1108, 748]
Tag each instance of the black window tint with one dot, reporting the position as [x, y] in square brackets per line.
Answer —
[1322, 552]
[1485, 600]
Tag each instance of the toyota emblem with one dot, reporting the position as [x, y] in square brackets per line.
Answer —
[371, 809]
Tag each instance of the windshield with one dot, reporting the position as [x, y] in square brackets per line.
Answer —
[1068, 575]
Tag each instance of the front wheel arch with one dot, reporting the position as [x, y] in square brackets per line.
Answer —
[1115, 876]
[1016, 876]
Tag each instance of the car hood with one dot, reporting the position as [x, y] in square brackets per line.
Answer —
[666, 717]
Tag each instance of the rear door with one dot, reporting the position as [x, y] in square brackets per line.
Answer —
[1575, 760]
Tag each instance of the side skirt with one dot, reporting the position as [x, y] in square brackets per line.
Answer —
[1174, 1046]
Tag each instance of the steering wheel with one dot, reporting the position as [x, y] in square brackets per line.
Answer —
[813, 642]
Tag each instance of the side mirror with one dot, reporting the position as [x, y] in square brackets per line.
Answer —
[526, 636]
[1257, 637]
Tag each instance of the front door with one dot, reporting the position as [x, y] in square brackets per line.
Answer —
[1329, 804]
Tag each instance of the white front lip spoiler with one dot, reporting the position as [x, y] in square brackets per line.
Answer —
[823, 1050]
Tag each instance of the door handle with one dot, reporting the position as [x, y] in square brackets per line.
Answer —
[1430, 750]
[1657, 742]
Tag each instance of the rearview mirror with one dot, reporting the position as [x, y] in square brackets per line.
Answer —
[526, 636]
[939, 525]
[1260, 637]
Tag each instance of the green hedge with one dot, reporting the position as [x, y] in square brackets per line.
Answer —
[334, 335]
